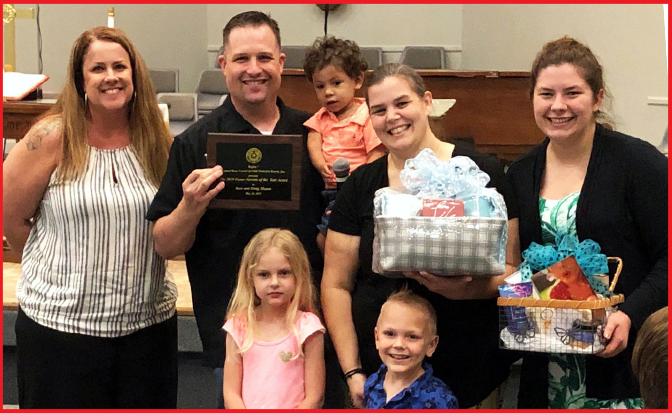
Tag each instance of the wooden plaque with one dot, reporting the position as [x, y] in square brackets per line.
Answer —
[260, 171]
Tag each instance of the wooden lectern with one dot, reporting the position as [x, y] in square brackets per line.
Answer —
[17, 117]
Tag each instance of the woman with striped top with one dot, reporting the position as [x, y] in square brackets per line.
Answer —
[97, 326]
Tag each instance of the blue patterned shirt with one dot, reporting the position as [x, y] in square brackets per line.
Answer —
[427, 392]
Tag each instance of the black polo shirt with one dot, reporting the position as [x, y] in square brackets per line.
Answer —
[221, 235]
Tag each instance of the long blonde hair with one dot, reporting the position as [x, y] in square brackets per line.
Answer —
[149, 136]
[245, 301]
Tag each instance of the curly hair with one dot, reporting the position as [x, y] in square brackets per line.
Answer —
[340, 53]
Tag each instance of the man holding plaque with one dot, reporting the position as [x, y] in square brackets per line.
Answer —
[213, 239]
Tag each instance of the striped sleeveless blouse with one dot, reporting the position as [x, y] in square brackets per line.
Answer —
[89, 265]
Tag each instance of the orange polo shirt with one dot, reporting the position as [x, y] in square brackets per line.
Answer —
[352, 138]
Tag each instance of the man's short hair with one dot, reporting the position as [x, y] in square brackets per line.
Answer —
[251, 18]
[408, 297]
[649, 360]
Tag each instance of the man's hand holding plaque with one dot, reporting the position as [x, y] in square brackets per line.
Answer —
[201, 187]
[260, 171]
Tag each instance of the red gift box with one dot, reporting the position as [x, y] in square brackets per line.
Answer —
[442, 208]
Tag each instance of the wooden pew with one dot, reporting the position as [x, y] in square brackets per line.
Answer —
[188, 339]
[11, 272]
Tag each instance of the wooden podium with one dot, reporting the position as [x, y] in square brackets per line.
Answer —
[18, 116]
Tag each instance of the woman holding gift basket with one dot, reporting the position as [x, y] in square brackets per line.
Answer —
[589, 181]
[467, 357]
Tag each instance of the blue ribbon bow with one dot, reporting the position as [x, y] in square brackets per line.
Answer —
[427, 176]
[587, 253]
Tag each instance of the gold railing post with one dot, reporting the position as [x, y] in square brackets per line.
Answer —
[9, 16]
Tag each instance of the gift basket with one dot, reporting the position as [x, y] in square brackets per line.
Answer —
[563, 307]
[443, 221]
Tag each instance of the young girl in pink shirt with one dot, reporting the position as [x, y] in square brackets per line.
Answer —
[275, 342]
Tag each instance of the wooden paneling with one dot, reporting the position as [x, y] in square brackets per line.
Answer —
[18, 116]
[492, 108]
[7, 254]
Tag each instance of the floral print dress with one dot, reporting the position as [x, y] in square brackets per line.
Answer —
[567, 372]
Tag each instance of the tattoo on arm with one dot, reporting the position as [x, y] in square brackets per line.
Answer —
[34, 137]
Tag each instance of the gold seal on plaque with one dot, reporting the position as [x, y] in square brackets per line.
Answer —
[253, 155]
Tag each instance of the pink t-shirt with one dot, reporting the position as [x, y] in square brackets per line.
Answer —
[271, 380]
[352, 138]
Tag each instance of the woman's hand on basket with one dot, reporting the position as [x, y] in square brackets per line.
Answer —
[616, 332]
[459, 287]
[454, 287]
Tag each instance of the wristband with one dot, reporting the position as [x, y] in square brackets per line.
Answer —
[352, 372]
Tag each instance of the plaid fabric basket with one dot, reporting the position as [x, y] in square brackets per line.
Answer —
[442, 246]
[557, 326]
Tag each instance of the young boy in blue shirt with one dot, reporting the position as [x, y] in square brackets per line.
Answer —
[405, 333]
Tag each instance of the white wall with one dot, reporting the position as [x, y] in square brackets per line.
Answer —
[167, 36]
[628, 39]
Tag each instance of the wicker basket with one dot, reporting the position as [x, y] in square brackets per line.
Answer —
[557, 326]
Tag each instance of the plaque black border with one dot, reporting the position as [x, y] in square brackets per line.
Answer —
[297, 151]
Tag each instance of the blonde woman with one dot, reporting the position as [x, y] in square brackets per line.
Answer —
[96, 326]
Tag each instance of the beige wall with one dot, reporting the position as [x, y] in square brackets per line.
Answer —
[367, 24]
[167, 36]
[391, 26]
[628, 39]
[174, 35]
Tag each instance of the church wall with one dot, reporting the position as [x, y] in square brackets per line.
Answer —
[629, 39]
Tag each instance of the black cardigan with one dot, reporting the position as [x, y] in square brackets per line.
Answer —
[623, 207]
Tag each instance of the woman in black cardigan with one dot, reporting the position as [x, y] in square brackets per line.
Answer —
[601, 185]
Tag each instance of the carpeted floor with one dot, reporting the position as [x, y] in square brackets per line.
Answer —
[196, 384]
